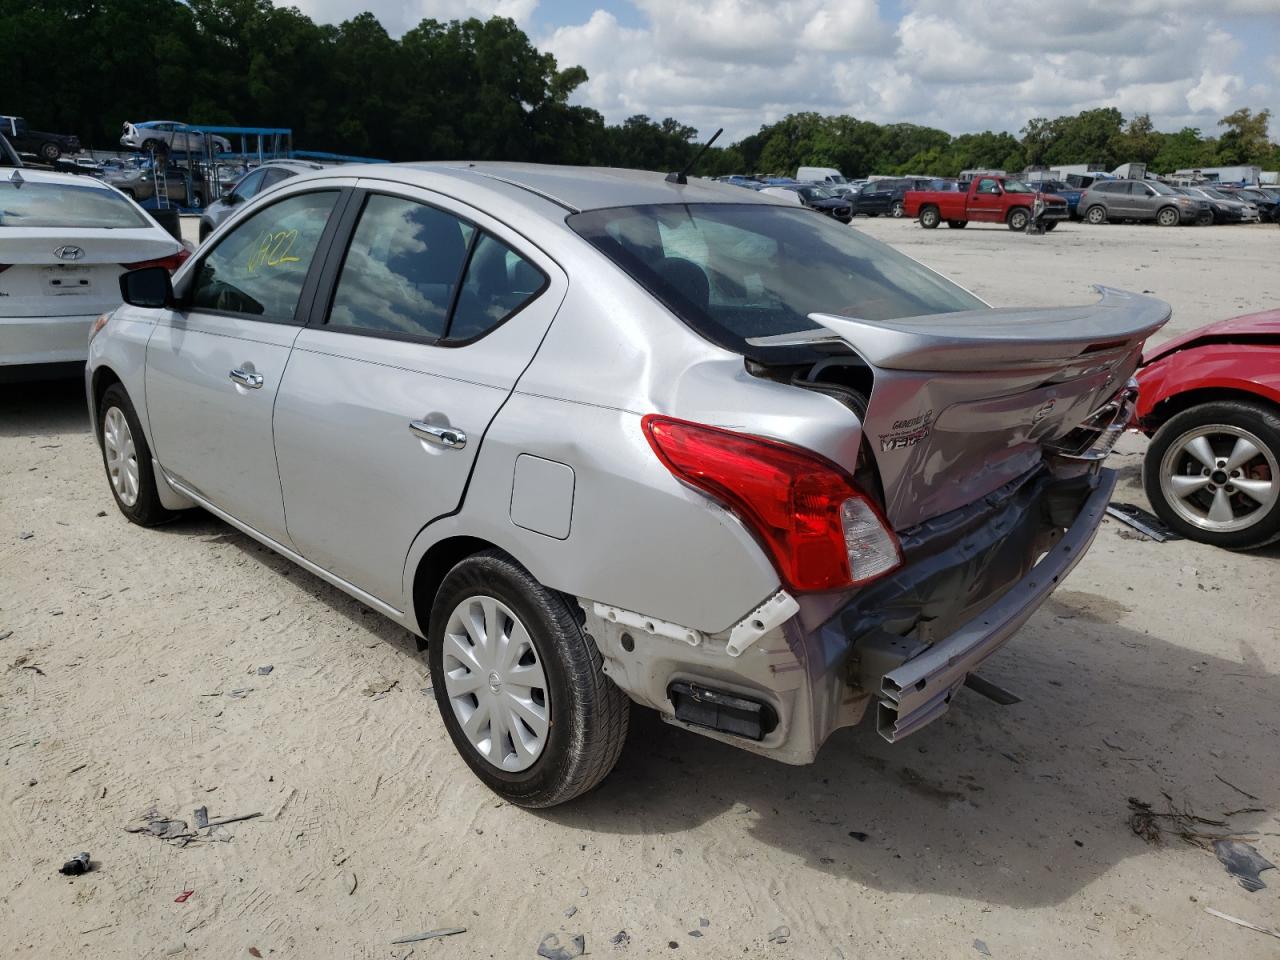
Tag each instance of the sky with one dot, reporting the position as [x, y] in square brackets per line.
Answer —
[960, 65]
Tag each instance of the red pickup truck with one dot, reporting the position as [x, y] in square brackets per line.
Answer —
[987, 200]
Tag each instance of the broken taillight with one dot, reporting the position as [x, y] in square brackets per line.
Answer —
[170, 263]
[820, 530]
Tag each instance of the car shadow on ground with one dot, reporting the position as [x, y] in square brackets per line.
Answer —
[978, 805]
[43, 407]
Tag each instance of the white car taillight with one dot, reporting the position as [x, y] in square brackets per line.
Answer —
[873, 551]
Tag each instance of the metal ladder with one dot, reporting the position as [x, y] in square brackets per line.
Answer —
[160, 179]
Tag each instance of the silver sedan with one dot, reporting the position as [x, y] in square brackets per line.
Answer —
[597, 436]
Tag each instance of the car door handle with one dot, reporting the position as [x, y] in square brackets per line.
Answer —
[251, 380]
[450, 437]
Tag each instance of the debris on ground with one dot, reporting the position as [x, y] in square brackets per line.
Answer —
[25, 535]
[430, 935]
[77, 865]
[704, 922]
[255, 952]
[556, 947]
[570, 912]
[1243, 793]
[350, 882]
[1149, 823]
[155, 824]
[240, 692]
[1142, 521]
[183, 897]
[1243, 862]
[620, 939]
[380, 687]
[5, 634]
[779, 934]
[981, 947]
[1269, 931]
[263, 671]
[858, 835]
[693, 933]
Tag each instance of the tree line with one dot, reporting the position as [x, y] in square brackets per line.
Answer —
[479, 90]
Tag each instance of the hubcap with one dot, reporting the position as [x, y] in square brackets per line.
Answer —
[1220, 478]
[121, 456]
[495, 683]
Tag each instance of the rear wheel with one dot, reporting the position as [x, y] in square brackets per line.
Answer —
[1096, 215]
[1212, 473]
[957, 224]
[896, 210]
[520, 685]
[127, 458]
[1168, 217]
[50, 151]
[1018, 219]
[930, 218]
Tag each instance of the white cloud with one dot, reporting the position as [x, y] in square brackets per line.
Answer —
[962, 65]
[398, 16]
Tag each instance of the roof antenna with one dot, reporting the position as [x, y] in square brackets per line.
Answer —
[681, 177]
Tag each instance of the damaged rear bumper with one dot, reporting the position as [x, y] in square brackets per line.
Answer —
[920, 690]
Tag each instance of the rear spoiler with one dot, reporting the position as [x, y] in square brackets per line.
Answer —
[992, 339]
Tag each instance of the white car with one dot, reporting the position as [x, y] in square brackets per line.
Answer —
[64, 242]
[177, 137]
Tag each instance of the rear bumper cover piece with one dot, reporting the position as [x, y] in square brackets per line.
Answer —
[920, 690]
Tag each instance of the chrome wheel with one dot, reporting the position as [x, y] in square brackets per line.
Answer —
[1220, 477]
[121, 456]
[495, 683]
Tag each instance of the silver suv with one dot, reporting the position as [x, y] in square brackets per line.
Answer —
[596, 436]
[1140, 200]
[261, 178]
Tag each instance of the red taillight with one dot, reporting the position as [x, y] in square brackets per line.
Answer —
[820, 530]
[170, 263]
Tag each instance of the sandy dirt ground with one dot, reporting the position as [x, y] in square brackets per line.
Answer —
[129, 681]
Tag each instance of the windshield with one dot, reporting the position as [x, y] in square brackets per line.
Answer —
[1210, 192]
[1160, 188]
[738, 271]
[836, 178]
[1016, 186]
[816, 193]
[65, 205]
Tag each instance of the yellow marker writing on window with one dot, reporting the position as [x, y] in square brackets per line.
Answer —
[273, 250]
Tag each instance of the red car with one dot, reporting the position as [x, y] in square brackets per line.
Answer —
[987, 199]
[1210, 402]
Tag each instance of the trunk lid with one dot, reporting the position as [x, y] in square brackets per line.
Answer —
[962, 403]
[36, 282]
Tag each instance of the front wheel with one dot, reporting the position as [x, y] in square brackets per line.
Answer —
[50, 152]
[1018, 219]
[1168, 217]
[1096, 215]
[930, 218]
[520, 685]
[1212, 473]
[127, 458]
[896, 210]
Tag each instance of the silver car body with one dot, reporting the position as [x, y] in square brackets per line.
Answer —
[178, 137]
[973, 431]
[56, 279]
[271, 173]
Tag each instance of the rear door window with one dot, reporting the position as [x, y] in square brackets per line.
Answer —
[498, 284]
[258, 269]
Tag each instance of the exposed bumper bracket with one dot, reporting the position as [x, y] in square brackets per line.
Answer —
[920, 690]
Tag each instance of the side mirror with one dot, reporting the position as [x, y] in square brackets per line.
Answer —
[148, 287]
[232, 198]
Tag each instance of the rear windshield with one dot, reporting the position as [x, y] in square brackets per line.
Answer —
[33, 204]
[738, 271]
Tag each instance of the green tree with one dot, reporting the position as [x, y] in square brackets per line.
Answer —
[1244, 139]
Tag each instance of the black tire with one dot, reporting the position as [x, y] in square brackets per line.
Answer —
[150, 146]
[1018, 218]
[930, 217]
[957, 224]
[588, 713]
[896, 210]
[1096, 215]
[873, 214]
[50, 152]
[1262, 422]
[1208, 218]
[146, 510]
[1050, 224]
[1168, 217]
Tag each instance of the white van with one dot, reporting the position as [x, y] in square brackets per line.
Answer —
[828, 175]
